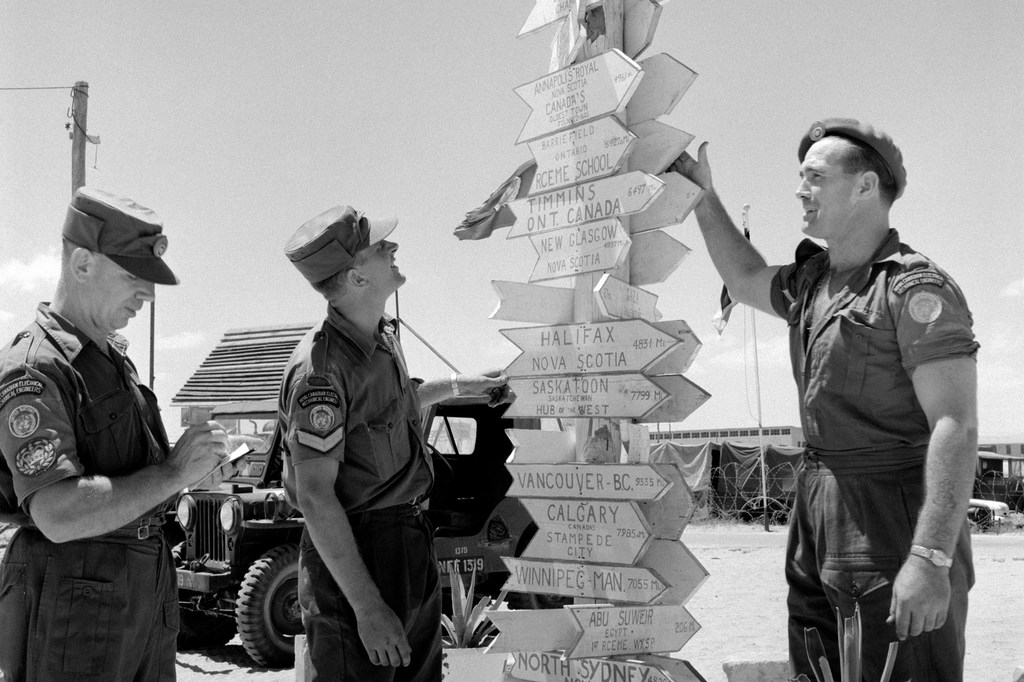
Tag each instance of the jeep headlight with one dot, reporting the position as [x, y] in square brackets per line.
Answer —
[186, 512]
[230, 515]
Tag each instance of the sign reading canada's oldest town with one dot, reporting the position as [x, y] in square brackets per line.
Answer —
[580, 92]
[587, 202]
[625, 396]
[586, 152]
[592, 247]
[586, 530]
[587, 347]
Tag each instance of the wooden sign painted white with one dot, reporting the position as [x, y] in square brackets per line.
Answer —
[664, 83]
[596, 87]
[568, 40]
[545, 13]
[658, 145]
[586, 152]
[623, 396]
[518, 302]
[588, 347]
[586, 530]
[625, 630]
[668, 515]
[594, 631]
[619, 300]
[653, 256]
[587, 202]
[639, 24]
[592, 247]
[627, 584]
[594, 481]
[549, 666]
[542, 447]
[684, 397]
[672, 205]
[679, 358]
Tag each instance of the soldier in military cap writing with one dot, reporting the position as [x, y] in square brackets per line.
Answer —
[350, 417]
[87, 585]
[884, 358]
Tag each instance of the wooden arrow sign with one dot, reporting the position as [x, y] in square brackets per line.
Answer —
[668, 573]
[618, 300]
[545, 13]
[664, 83]
[542, 447]
[587, 202]
[624, 396]
[592, 247]
[611, 583]
[640, 23]
[599, 86]
[518, 302]
[614, 346]
[587, 152]
[679, 357]
[567, 42]
[620, 630]
[594, 481]
[672, 205]
[654, 256]
[594, 631]
[549, 666]
[586, 530]
[657, 146]
[684, 397]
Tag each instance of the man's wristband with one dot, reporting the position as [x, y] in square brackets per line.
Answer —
[455, 384]
[936, 556]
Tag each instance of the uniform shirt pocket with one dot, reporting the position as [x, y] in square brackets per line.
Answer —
[110, 437]
[871, 355]
[380, 437]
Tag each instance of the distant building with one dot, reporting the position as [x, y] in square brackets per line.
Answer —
[1003, 448]
[770, 435]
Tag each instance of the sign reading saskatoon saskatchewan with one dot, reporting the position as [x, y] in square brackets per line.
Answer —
[595, 209]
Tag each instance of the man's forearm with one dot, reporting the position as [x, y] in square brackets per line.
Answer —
[949, 480]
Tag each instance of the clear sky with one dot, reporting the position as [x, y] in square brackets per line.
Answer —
[236, 121]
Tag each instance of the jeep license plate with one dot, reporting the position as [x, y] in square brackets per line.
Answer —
[464, 564]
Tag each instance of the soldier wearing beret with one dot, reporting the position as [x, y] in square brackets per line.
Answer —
[353, 443]
[87, 585]
[884, 359]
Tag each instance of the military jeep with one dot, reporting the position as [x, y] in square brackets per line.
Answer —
[238, 565]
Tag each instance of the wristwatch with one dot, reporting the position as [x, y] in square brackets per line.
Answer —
[936, 556]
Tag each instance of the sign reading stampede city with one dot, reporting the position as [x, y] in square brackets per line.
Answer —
[622, 396]
[580, 92]
[587, 530]
[587, 347]
[587, 202]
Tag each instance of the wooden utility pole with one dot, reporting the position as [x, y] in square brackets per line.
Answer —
[79, 114]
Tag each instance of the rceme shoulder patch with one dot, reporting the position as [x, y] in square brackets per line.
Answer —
[917, 277]
[13, 389]
[319, 396]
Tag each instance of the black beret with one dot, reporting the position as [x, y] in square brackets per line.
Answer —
[853, 129]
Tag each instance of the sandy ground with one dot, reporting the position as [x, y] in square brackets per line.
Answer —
[742, 612]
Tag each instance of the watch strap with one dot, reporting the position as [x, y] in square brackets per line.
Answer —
[936, 556]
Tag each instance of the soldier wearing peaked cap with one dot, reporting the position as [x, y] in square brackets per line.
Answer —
[884, 358]
[87, 586]
[357, 463]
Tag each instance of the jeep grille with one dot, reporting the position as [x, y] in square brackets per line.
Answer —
[207, 535]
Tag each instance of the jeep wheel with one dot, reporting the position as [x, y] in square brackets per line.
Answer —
[198, 630]
[267, 610]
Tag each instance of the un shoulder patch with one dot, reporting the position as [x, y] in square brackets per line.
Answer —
[917, 277]
[24, 421]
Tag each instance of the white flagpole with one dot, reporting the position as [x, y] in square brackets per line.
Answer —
[757, 391]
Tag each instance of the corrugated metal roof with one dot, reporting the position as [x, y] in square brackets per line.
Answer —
[247, 364]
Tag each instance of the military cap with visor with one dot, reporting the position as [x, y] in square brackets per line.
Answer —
[125, 232]
[875, 140]
[328, 244]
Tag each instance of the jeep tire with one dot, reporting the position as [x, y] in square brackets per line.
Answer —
[267, 609]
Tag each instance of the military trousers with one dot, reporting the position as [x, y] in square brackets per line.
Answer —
[850, 532]
[396, 545]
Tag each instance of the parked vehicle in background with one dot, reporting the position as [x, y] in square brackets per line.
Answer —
[238, 564]
[1000, 478]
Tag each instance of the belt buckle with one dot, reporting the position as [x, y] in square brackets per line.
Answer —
[142, 533]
